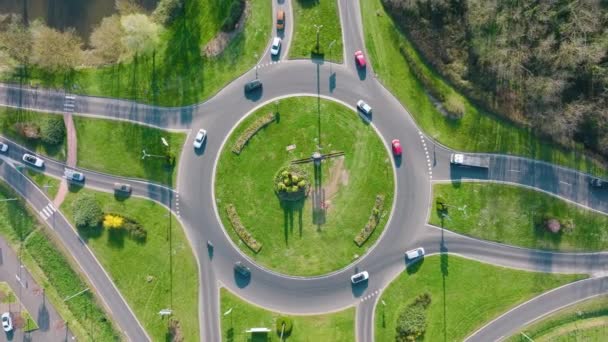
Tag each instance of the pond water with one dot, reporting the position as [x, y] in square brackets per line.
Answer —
[82, 15]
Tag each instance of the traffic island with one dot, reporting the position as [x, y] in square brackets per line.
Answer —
[304, 186]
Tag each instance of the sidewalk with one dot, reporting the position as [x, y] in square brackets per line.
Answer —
[51, 326]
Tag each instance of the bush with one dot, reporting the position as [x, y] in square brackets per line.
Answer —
[288, 326]
[52, 130]
[28, 130]
[454, 105]
[234, 15]
[240, 230]
[411, 323]
[113, 221]
[251, 131]
[136, 231]
[372, 222]
[86, 209]
[291, 184]
[167, 11]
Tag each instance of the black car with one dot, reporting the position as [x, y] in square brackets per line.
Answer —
[598, 183]
[242, 269]
[253, 85]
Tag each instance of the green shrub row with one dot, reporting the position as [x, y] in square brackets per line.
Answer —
[450, 100]
[251, 131]
[241, 231]
[234, 15]
[135, 230]
[411, 323]
[372, 222]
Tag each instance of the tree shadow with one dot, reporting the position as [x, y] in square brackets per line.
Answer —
[444, 266]
[43, 315]
[318, 198]
[289, 208]
[87, 233]
[116, 237]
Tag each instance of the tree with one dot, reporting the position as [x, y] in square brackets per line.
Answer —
[16, 40]
[107, 41]
[167, 11]
[86, 209]
[52, 130]
[53, 50]
[142, 35]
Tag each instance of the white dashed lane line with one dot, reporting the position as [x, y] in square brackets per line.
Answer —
[428, 157]
[369, 296]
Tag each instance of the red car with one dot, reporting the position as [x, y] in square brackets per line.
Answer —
[360, 59]
[396, 147]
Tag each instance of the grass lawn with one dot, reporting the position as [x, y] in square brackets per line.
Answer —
[52, 271]
[115, 147]
[10, 116]
[465, 295]
[514, 215]
[9, 297]
[141, 271]
[585, 321]
[335, 327]
[477, 131]
[49, 185]
[292, 241]
[177, 74]
[315, 12]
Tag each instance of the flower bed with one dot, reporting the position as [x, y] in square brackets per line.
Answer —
[372, 222]
[291, 183]
[251, 131]
[241, 231]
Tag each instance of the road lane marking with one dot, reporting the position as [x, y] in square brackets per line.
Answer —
[565, 183]
[513, 170]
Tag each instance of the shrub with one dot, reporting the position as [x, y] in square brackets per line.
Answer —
[28, 130]
[113, 221]
[372, 222]
[234, 15]
[454, 105]
[240, 230]
[288, 326]
[293, 185]
[52, 130]
[86, 209]
[135, 229]
[411, 323]
[167, 11]
[250, 131]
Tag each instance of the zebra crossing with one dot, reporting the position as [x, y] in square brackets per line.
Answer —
[47, 211]
[68, 103]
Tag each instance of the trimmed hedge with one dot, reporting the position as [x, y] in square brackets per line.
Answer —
[372, 222]
[234, 15]
[241, 231]
[251, 131]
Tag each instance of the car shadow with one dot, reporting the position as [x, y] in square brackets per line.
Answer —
[362, 73]
[412, 266]
[398, 160]
[366, 119]
[201, 150]
[359, 288]
[240, 280]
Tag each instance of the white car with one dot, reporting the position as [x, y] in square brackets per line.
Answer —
[33, 160]
[7, 322]
[276, 46]
[364, 107]
[359, 277]
[73, 175]
[415, 253]
[200, 138]
[3, 147]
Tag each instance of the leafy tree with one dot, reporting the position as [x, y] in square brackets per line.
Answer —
[52, 130]
[167, 11]
[87, 211]
[107, 41]
[53, 50]
[15, 39]
[142, 35]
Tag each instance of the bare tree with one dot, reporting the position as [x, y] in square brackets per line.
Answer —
[141, 34]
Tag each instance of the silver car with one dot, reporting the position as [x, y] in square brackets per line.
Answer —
[415, 253]
[73, 175]
[7, 322]
[364, 107]
[359, 277]
[200, 138]
[33, 160]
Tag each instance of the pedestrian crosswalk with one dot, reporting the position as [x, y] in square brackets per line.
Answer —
[47, 211]
[68, 104]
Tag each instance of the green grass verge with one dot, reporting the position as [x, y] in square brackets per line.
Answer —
[49, 185]
[514, 215]
[307, 13]
[52, 271]
[10, 116]
[335, 327]
[130, 264]
[478, 130]
[585, 321]
[292, 241]
[9, 297]
[177, 74]
[115, 147]
[465, 295]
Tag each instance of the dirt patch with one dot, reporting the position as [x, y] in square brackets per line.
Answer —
[338, 176]
[216, 46]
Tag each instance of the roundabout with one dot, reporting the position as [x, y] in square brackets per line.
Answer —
[307, 230]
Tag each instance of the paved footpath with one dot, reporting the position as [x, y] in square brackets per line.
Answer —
[51, 326]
